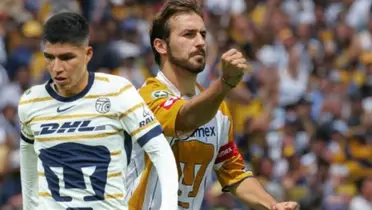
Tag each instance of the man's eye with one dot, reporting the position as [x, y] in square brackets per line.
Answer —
[49, 57]
[67, 57]
[190, 34]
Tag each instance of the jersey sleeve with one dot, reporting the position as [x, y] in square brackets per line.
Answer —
[28, 158]
[136, 118]
[229, 165]
[26, 133]
[163, 104]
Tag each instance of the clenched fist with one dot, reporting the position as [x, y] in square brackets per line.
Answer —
[233, 66]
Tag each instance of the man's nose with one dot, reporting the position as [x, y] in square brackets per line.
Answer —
[57, 66]
[200, 40]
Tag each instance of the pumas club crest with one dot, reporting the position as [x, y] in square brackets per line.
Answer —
[103, 105]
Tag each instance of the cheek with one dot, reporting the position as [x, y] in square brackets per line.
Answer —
[48, 64]
[180, 49]
[72, 67]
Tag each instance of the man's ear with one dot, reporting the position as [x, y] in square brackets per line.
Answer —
[89, 52]
[160, 46]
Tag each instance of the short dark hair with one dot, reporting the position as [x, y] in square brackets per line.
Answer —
[66, 27]
[160, 25]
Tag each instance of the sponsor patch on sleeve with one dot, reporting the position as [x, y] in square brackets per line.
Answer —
[169, 103]
[226, 152]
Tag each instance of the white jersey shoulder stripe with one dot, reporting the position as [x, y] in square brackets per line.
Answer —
[132, 109]
[35, 100]
[65, 117]
[112, 94]
[102, 78]
[82, 116]
[78, 137]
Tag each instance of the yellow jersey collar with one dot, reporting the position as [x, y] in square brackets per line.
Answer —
[163, 79]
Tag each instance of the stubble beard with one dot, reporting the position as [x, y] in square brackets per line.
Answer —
[185, 64]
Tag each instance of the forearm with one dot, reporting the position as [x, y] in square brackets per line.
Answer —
[162, 157]
[202, 108]
[241, 94]
[28, 161]
[252, 193]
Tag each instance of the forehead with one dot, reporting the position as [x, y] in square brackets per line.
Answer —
[61, 48]
[186, 21]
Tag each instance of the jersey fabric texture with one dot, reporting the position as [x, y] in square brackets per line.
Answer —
[84, 142]
[209, 148]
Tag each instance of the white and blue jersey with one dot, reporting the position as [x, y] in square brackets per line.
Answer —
[83, 143]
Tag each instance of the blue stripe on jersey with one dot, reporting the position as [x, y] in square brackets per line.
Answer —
[24, 138]
[79, 209]
[128, 146]
[56, 96]
[149, 135]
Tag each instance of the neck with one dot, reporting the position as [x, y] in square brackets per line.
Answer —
[76, 89]
[183, 80]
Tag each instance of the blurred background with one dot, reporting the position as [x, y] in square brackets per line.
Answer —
[302, 114]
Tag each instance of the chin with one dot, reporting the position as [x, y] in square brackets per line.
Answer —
[195, 69]
[64, 86]
[197, 66]
[198, 70]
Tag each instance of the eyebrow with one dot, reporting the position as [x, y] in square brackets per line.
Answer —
[194, 30]
[59, 55]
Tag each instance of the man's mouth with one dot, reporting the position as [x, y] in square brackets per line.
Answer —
[201, 53]
[59, 80]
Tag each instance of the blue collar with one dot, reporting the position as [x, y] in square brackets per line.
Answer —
[58, 97]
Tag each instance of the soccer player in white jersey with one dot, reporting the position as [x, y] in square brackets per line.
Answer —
[196, 122]
[78, 130]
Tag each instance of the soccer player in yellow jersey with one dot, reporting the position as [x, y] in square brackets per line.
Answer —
[196, 122]
[79, 127]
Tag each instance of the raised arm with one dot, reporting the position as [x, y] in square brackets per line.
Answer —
[202, 108]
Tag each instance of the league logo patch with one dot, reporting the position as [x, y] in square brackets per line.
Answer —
[160, 94]
[103, 105]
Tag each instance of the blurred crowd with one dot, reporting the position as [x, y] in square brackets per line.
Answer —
[302, 114]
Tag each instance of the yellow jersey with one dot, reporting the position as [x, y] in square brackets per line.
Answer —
[210, 147]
